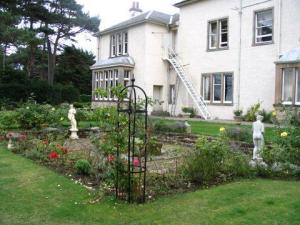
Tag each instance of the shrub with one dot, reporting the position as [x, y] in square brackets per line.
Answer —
[267, 116]
[14, 91]
[239, 134]
[252, 112]
[83, 167]
[190, 110]
[160, 113]
[166, 126]
[85, 98]
[69, 93]
[213, 161]
[8, 119]
[238, 112]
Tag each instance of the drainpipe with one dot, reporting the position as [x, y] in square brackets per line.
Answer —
[239, 55]
[279, 27]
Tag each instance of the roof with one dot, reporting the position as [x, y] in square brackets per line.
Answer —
[113, 62]
[185, 2]
[292, 56]
[154, 17]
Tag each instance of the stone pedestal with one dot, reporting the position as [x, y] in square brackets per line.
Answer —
[10, 144]
[258, 162]
[74, 135]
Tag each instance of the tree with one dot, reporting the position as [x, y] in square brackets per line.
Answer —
[73, 67]
[65, 20]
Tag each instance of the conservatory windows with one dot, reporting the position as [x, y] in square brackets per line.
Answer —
[263, 29]
[217, 88]
[290, 86]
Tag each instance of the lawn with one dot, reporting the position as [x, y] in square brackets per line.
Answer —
[31, 194]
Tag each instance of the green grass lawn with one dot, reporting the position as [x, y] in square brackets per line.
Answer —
[29, 194]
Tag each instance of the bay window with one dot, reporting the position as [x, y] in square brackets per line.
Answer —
[217, 88]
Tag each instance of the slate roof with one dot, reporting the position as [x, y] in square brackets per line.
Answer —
[150, 17]
[113, 62]
[291, 56]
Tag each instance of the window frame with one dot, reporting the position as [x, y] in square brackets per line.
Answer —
[211, 101]
[171, 99]
[297, 101]
[119, 44]
[218, 34]
[255, 43]
[282, 87]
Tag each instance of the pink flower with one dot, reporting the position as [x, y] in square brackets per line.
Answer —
[53, 155]
[110, 158]
[136, 162]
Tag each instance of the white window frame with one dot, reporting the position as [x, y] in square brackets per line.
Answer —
[113, 45]
[210, 34]
[221, 32]
[257, 36]
[297, 101]
[282, 92]
[125, 43]
[96, 85]
[203, 87]
[224, 89]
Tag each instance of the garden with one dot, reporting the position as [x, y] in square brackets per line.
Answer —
[182, 160]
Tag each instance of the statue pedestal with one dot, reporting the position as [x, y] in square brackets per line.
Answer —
[74, 135]
[258, 162]
[10, 144]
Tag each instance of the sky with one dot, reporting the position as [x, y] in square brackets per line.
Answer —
[114, 11]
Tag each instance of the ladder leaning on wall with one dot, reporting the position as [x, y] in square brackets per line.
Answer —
[198, 100]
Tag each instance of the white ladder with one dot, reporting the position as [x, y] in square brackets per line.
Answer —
[197, 98]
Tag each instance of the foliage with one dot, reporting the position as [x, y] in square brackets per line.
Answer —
[165, 126]
[239, 134]
[8, 119]
[238, 112]
[190, 110]
[69, 93]
[212, 161]
[74, 68]
[252, 112]
[160, 113]
[83, 167]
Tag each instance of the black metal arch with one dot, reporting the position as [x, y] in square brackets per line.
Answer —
[134, 189]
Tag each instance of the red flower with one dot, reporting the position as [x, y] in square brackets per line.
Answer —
[110, 158]
[53, 155]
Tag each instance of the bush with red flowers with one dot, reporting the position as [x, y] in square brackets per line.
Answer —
[53, 155]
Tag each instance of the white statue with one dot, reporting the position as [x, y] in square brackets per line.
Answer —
[71, 117]
[258, 137]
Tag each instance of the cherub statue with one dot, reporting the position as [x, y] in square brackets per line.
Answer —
[258, 137]
[71, 117]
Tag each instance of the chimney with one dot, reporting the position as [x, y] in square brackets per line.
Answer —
[135, 9]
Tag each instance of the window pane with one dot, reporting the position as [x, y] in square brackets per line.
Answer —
[172, 94]
[288, 77]
[298, 86]
[223, 33]
[217, 87]
[264, 18]
[228, 88]
[206, 88]
[213, 34]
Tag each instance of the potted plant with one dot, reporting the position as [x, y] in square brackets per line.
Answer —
[238, 115]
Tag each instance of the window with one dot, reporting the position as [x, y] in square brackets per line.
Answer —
[263, 27]
[126, 77]
[172, 94]
[221, 87]
[119, 44]
[287, 85]
[206, 88]
[298, 86]
[228, 91]
[218, 34]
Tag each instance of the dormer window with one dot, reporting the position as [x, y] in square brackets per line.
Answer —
[119, 44]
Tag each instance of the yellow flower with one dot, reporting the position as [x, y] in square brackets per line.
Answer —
[284, 134]
[222, 129]
[274, 113]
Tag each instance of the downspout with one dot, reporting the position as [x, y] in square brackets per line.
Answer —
[239, 56]
[279, 28]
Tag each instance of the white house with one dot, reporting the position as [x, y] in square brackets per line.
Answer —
[217, 56]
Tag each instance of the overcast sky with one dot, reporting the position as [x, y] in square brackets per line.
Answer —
[115, 11]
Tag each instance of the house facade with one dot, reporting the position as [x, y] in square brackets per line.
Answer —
[217, 56]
